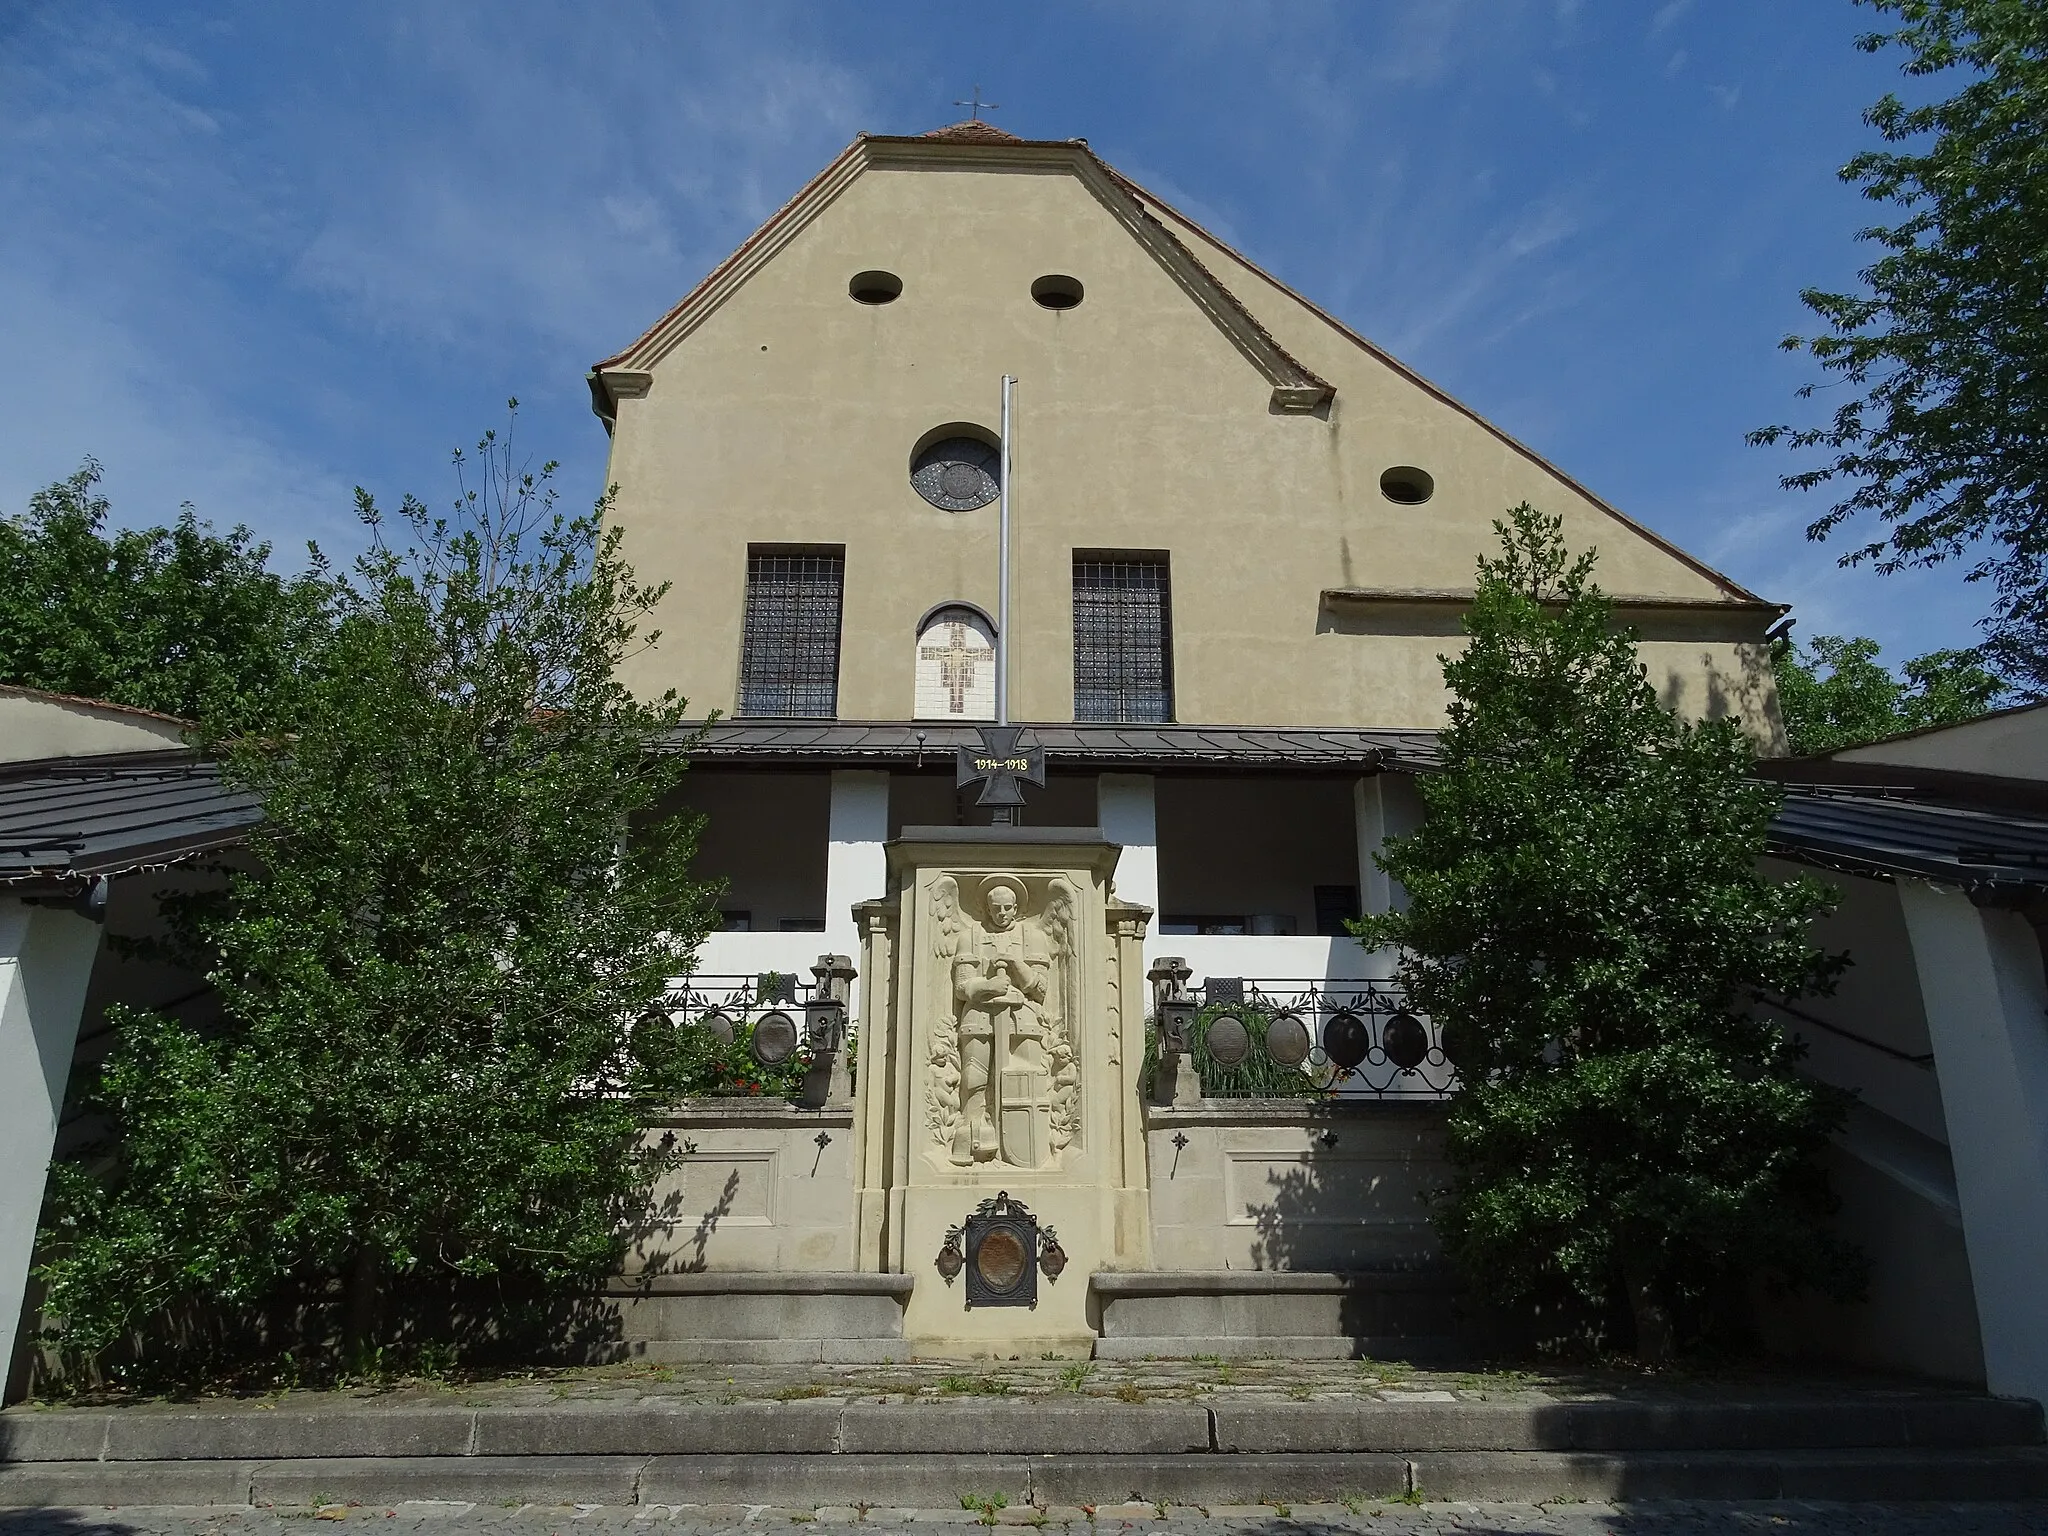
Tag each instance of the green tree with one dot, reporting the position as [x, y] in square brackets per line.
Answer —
[178, 619]
[1587, 921]
[1837, 694]
[442, 1034]
[1943, 434]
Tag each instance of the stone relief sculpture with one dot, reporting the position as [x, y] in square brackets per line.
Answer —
[942, 1074]
[1063, 1012]
[1002, 1084]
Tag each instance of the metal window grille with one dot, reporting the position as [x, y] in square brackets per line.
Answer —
[1123, 638]
[789, 648]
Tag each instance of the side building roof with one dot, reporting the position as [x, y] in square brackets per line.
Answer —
[67, 821]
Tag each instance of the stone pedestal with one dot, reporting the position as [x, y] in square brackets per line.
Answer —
[1001, 1041]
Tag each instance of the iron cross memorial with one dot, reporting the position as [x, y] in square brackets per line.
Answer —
[998, 763]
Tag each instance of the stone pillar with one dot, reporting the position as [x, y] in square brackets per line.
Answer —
[854, 868]
[875, 1156]
[1125, 808]
[1015, 986]
[1986, 1001]
[1125, 1021]
[46, 956]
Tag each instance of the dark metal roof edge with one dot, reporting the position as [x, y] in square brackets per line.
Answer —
[89, 765]
[814, 742]
[1891, 867]
[1889, 864]
[162, 854]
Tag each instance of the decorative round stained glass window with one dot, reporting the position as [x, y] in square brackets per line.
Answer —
[957, 474]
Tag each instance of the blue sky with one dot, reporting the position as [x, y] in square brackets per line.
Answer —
[254, 254]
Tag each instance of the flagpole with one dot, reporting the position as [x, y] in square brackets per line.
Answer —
[1003, 567]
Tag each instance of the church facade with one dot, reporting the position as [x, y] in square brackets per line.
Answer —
[1240, 537]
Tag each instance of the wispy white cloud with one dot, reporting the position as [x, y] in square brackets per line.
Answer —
[1494, 291]
[78, 385]
[516, 195]
[574, 177]
[249, 253]
[1668, 16]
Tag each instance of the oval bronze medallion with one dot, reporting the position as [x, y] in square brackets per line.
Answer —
[774, 1038]
[718, 1026]
[1287, 1040]
[1000, 1259]
[1405, 1041]
[1227, 1040]
[1346, 1039]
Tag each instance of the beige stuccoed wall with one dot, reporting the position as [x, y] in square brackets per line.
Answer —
[790, 414]
[757, 1190]
[37, 725]
[1294, 1184]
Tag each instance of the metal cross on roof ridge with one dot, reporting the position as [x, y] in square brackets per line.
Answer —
[979, 106]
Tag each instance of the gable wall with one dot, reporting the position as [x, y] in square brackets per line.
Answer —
[1704, 664]
[35, 725]
[790, 414]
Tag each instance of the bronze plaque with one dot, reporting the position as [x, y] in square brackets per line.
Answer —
[1000, 1259]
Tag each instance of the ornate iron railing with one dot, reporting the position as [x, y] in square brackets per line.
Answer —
[691, 998]
[754, 1030]
[1308, 1038]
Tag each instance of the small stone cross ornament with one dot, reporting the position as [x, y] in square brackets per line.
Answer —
[998, 764]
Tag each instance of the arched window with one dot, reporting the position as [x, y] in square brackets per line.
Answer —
[956, 665]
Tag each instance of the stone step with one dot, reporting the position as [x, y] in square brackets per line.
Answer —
[944, 1481]
[1402, 1312]
[1419, 1348]
[1064, 1424]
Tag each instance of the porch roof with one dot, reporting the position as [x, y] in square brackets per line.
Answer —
[894, 743]
[64, 821]
[1868, 832]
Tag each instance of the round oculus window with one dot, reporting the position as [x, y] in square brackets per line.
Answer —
[1056, 290]
[1407, 485]
[957, 474]
[875, 288]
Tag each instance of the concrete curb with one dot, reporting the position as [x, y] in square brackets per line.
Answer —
[942, 1481]
[1849, 1476]
[1017, 1427]
[1626, 1426]
[1027, 1427]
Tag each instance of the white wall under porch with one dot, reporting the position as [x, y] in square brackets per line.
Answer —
[856, 824]
[1986, 1000]
[1940, 1027]
[1237, 843]
[1256, 846]
[46, 960]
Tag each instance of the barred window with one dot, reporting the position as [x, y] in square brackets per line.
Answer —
[1123, 637]
[789, 648]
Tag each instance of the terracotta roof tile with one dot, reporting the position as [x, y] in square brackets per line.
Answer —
[974, 131]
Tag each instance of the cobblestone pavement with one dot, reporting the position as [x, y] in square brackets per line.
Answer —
[1199, 1379]
[1665, 1519]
